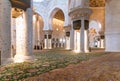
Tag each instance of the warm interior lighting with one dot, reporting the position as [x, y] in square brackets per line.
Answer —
[60, 40]
[57, 29]
[58, 22]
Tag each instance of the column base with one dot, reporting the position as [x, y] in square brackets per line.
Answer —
[67, 48]
[86, 51]
[5, 61]
[23, 58]
[45, 48]
[50, 48]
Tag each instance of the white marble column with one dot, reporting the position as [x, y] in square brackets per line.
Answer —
[13, 35]
[67, 43]
[86, 38]
[98, 44]
[24, 37]
[67, 37]
[82, 36]
[48, 40]
[86, 41]
[49, 44]
[72, 38]
[5, 32]
[38, 32]
[76, 41]
[102, 43]
[34, 31]
[45, 42]
[81, 12]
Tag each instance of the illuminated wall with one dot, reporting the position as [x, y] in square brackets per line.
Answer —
[58, 30]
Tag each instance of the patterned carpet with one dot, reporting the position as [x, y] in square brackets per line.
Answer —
[104, 68]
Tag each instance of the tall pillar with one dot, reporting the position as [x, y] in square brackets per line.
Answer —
[38, 32]
[34, 31]
[86, 38]
[102, 45]
[67, 37]
[98, 44]
[72, 38]
[5, 32]
[79, 17]
[48, 39]
[45, 41]
[67, 43]
[24, 37]
[13, 36]
[82, 36]
[76, 41]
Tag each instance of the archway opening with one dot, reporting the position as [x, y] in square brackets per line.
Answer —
[58, 34]
[94, 35]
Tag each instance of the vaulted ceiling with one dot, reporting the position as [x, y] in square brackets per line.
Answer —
[59, 15]
[93, 3]
[18, 6]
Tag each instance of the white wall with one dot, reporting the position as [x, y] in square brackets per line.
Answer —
[112, 33]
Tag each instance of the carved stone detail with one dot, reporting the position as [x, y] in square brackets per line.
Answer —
[80, 12]
[67, 28]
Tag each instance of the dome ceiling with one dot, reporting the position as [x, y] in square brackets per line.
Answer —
[97, 3]
[59, 15]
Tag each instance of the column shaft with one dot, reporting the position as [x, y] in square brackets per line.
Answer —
[82, 36]
[98, 44]
[68, 43]
[45, 41]
[5, 32]
[49, 44]
[86, 41]
[72, 38]
[38, 32]
[24, 37]
[48, 39]
[102, 43]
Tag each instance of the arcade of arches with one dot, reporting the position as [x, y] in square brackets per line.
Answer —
[77, 25]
